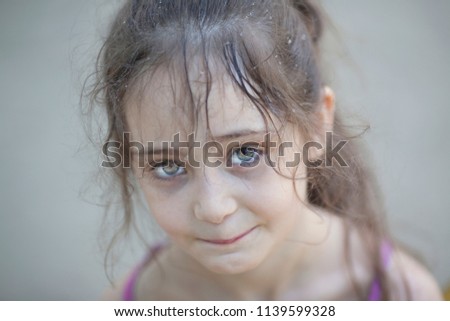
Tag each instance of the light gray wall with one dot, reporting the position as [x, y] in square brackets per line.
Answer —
[393, 71]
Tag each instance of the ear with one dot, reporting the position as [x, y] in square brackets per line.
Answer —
[325, 117]
[327, 107]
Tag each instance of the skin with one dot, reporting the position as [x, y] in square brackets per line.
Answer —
[231, 227]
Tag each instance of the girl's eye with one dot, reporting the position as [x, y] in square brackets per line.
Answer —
[245, 156]
[167, 169]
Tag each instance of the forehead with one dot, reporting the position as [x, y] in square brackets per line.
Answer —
[163, 105]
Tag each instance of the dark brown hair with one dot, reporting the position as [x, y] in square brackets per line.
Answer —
[270, 49]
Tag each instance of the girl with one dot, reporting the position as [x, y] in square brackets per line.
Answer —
[217, 110]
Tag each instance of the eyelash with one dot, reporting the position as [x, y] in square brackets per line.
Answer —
[259, 152]
[155, 166]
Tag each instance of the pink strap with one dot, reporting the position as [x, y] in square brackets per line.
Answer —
[128, 291]
[375, 288]
[130, 284]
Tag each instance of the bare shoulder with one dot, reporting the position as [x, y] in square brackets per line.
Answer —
[408, 278]
[114, 292]
[407, 275]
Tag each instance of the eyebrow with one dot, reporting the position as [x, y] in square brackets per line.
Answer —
[241, 134]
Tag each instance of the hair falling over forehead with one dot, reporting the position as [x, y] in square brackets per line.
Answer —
[270, 50]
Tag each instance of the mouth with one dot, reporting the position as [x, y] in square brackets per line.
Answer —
[230, 240]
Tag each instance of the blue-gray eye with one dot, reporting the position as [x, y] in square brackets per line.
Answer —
[245, 156]
[167, 169]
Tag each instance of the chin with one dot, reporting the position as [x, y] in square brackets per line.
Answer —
[231, 266]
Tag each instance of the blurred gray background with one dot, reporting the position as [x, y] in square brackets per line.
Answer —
[387, 61]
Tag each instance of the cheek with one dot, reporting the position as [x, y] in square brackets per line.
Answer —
[171, 213]
[276, 197]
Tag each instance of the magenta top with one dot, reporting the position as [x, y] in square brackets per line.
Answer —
[130, 284]
[375, 288]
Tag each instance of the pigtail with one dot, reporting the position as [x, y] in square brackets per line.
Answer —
[350, 192]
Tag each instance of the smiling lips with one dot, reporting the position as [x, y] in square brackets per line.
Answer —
[229, 241]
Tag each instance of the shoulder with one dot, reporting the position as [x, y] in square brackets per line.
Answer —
[143, 281]
[115, 291]
[410, 279]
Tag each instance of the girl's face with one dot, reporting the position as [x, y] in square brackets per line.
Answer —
[230, 217]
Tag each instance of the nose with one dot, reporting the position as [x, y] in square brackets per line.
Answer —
[215, 197]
